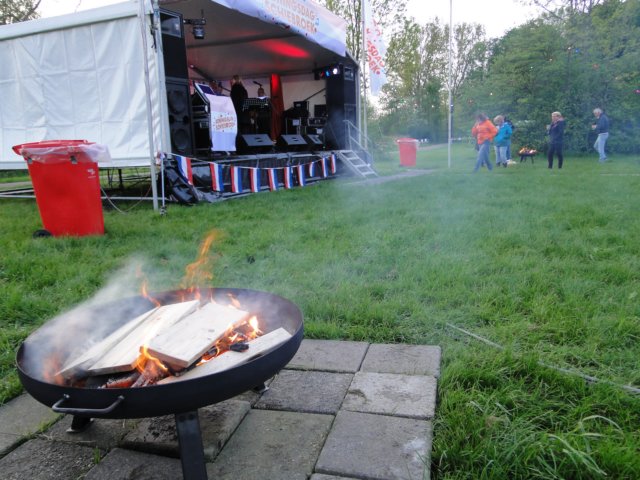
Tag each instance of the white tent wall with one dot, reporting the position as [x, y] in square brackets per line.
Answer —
[80, 76]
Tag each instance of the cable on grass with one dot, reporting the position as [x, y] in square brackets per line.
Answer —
[566, 371]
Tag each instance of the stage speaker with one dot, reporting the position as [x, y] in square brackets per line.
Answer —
[292, 142]
[315, 142]
[174, 49]
[180, 117]
[255, 143]
[342, 95]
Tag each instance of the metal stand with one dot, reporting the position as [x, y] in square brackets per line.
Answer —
[79, 424]
[191, 450]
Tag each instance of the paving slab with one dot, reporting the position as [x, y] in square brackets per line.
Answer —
[45, 460]
[310, 392]
[377, 447]
[412, 396]
[403, 359]
[20, 418]
[320, 476]
[158, 435]
[329, 355]
[104, 434]
[272, 444]
[122, 464]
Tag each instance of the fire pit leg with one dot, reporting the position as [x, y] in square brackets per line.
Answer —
[79, 424]
[191, 450]
[260, 388]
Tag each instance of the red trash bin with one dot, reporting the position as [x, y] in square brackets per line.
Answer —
[66, 183]
[408, 151]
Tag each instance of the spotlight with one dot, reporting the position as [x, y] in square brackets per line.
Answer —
[328, 71]
[198, 26]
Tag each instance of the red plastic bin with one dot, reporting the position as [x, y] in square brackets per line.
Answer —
[66, 183]
[408, 151]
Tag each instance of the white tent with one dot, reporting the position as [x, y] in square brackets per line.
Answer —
[99, 74]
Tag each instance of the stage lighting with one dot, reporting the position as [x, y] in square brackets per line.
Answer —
[198, 26]
[328, 71]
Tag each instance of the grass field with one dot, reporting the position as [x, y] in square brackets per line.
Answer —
[544, 264]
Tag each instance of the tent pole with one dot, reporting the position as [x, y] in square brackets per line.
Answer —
[147, 86]
[450, 99]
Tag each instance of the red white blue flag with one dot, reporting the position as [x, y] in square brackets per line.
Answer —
[333, 163]
[273, 179]
[312, 169]
[302, 181]
[236, 180]
[217, 183]
[288, 177]
[254, 175]
[184, 166]
[323, 166]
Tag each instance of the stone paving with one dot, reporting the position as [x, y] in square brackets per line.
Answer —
[338, 411]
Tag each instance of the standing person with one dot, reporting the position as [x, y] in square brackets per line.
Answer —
[484, 131]
[238, 93]
[501, 141]
[556, 138]
[602, 129]
[510, 123]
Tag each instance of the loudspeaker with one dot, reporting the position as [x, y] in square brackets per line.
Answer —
[174, 49]
[180, 118]
[315, 142]
[292, 142]
[255, 143]
[342, 97]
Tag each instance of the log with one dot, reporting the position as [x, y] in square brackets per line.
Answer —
[124, 356]
[230, 359]
[187, 340]
[77, 366]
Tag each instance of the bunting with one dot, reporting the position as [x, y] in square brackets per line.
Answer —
[254, 175]
[217, 183]
[323, 166]
[301, 177]
[312, 169]
[184, 166]
[236, 180]
[273, 179]
[288, 177]
[333, 163]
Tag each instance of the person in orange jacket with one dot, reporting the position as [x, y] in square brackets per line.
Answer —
[483, 131]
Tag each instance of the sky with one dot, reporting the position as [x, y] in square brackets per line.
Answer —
[497, 20]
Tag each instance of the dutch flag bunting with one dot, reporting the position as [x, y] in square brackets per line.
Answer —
[333, 163]
[254, 175]
[184, 166]
[288, 177]
[312, 169]
[217, 183]
[301, 177]
[236, 180]
[273, 179]
[323, 166]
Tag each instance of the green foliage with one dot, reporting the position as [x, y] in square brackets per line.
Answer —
[13, 11]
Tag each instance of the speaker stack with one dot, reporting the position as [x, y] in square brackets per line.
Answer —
[341, 105]
[174, 52]
[291, 143]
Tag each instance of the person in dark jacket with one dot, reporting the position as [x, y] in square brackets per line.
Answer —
[556, 138]
[602, 129]
[238, 94]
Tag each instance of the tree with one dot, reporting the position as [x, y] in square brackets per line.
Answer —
[13, 11]
[570, 6]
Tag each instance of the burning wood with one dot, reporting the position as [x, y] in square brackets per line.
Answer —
[230, 358]
[186, 341]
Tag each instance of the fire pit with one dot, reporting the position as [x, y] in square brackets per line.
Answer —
[42, 355]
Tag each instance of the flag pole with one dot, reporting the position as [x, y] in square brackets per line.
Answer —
[364, 77]
[450, 99]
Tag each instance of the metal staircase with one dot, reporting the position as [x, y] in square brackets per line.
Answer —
[357, 158]
[355, 163]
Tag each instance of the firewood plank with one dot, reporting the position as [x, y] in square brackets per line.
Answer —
[230, 359]
[123, 356]
[77, 365]
[187, 340]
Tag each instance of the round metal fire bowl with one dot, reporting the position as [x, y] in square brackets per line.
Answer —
[177, 397]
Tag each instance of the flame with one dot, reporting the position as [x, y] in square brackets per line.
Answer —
[147, 362]
[198, 272]
[144, 292]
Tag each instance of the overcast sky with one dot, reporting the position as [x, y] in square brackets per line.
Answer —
[496, 17]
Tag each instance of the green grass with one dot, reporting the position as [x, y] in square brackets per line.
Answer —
[544, 263]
